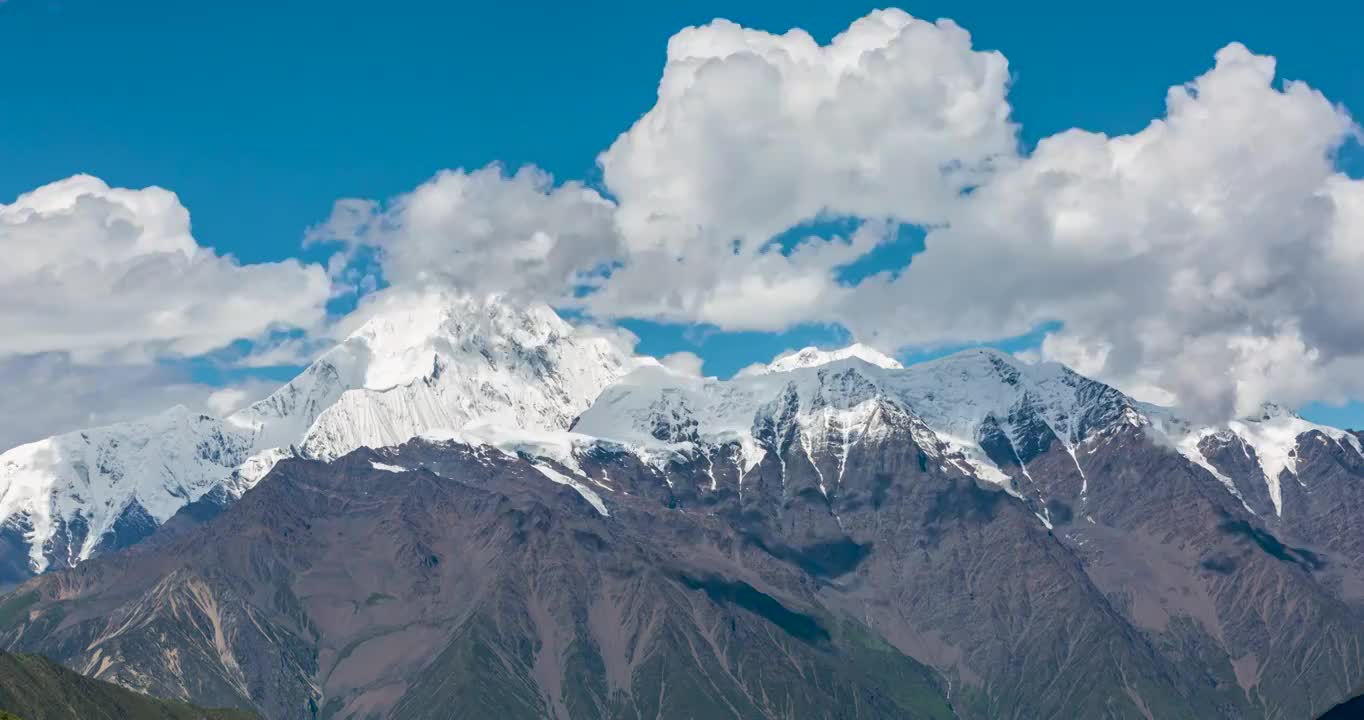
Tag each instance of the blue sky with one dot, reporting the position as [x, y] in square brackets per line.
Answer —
[277, 109]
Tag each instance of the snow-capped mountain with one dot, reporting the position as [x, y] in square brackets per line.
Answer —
[814, 357]
[975, 403]
[439, 363]
[430, 365]
[64, 497]
[992, 415]
[968, 516]
[1268, 441]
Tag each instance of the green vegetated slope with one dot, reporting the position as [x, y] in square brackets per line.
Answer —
[35, 688]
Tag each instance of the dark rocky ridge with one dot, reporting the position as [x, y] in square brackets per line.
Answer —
[337, 590]
[473, 586]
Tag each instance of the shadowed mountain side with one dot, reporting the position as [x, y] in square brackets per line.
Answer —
[1352, 709]
[342, 590]
[35, 688]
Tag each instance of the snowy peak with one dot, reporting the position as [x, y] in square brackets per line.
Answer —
[1268, 440]
[69, 490]
[409, 337]
[1000, 411]
[435, 363]
[422, 364]
[956, 394]
[814, 357]
[963, 400]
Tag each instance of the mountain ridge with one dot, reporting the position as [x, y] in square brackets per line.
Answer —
[445, 363]
[438, 362]
[912, 550]
[966, 516]
[442, 361]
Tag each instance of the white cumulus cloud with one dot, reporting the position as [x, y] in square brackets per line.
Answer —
[754, 133]
[92, 270]
[683, 363]
[1211, 258]
[482, 231]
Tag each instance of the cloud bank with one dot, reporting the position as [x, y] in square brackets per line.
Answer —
[100, 284]
[93, 270]
[1207, 260]
[1210, 259]
[755, 133]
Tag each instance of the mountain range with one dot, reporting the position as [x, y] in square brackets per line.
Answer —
[471, 508]
[435, 363]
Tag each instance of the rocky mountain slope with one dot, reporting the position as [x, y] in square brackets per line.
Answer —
[973, 537]
[1157, 528]
[443, 580]
[435, 364]
[35, 688]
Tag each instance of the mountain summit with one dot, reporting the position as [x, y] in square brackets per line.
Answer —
[438, 364]
[814, 357]
[433, 362]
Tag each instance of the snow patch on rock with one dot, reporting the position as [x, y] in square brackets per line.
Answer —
[949, 401]
[1274, 435]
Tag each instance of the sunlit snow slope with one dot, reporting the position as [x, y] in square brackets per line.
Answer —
[988, 413]
[519, 378]
[430, 364]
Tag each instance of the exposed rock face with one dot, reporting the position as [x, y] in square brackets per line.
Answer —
[1238, 608]
[1229, 454]
[469, 586]
[1324, 499]
[1304, 482]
